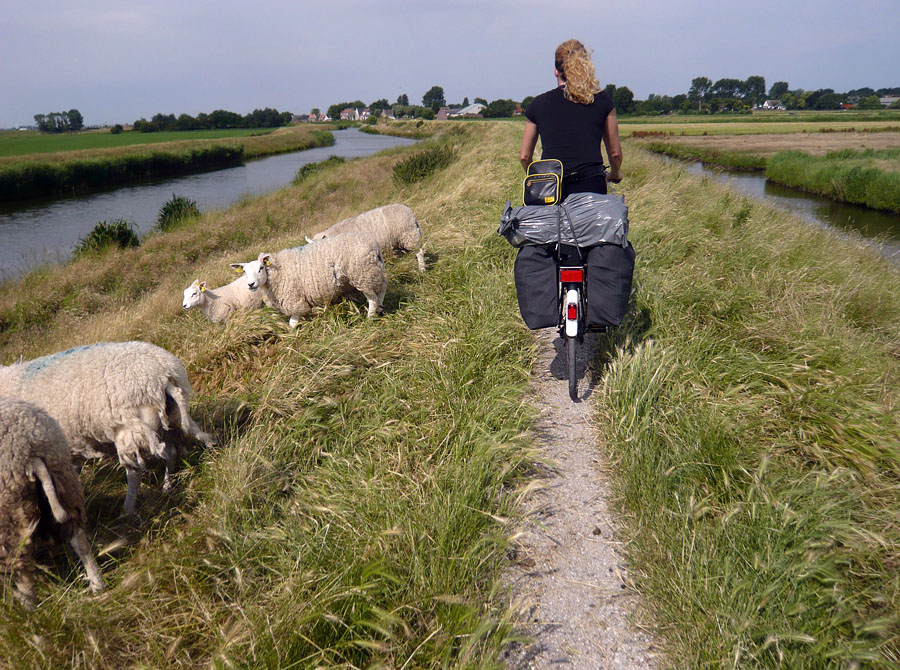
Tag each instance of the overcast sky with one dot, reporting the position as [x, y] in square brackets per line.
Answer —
[119, 61]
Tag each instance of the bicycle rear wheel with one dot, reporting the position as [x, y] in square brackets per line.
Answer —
[570, 364]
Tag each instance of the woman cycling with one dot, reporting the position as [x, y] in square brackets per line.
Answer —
[571, 121]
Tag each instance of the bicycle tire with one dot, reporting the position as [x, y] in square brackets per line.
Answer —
[570, 363]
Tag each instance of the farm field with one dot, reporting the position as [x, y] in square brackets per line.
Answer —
[862, 168]
[361, 503]
[816, 144]
[24, 142]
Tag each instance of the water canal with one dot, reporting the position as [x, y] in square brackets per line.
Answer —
[882, 228]
[46, 230]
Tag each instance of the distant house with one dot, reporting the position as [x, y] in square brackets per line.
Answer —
[349, 114]
[888, 100]
[443, 114]
[847, 105]
[387, 113]
[773, 104]
[518, 111]
[472, 110]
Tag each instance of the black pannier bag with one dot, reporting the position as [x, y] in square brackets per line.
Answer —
[598, 224]
[609, 272]
[536, 286]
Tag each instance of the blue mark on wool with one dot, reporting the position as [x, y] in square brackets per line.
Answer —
[38, 364]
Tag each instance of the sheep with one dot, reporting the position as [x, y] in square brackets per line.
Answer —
[110, 398]
[218, 304]
[296, 280]
[36, 471]
[394, 227]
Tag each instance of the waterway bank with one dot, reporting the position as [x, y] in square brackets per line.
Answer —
[45, 231]
[880, 228]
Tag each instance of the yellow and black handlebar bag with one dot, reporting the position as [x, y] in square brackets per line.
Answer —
[543, 183]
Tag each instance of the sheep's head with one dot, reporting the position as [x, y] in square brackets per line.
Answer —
[193, 294]
[256, 272]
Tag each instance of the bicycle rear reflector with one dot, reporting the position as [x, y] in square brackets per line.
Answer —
[571, 311]
[567, 275]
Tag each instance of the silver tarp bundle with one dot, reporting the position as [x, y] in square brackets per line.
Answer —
[584, 220]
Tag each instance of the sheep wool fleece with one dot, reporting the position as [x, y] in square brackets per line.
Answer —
[108, 397]
[27, 432]
[319, 273]
[394, 227]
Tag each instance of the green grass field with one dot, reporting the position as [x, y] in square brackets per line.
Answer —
[357, 509]
[24, 142]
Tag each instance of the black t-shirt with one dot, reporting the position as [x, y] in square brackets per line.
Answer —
[570, 131]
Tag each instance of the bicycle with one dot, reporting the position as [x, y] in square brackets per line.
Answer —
[572, 301]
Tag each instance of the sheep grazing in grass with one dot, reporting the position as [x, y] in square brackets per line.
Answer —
[111, 398]
[220, 303]
[394, 227]
[296, 281]
[39, 491]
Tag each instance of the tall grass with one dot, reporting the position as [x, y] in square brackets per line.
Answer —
[870, 177]
[353, 512]
[750, 408]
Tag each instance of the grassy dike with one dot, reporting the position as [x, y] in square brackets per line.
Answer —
[750, 409]
[870, 177]
[67, 172]
[355, 511]
[352, 514]
[730, 160]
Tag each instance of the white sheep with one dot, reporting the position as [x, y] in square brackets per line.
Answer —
[110, 398]
[295, 281]
[35, 464]
[394, 227]
[220, 303]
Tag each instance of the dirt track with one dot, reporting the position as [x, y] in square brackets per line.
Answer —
[570, 585]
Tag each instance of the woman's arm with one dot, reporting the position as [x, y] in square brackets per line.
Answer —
[613, 147]
[529, 141]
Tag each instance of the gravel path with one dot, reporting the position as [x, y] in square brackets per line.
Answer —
[569, 586]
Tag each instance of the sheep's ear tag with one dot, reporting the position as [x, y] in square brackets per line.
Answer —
[202, 288]
[238, 269]
[267, 262]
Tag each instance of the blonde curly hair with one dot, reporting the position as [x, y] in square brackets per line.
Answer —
[573, 62]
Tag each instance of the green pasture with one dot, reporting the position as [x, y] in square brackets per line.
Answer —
[24, 142]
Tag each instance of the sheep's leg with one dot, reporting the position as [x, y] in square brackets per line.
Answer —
[133, 477]
[293, 322]
[83, 549]
[420, 256]
[171, 463]
[188, 425]
[25, 588]
[39, 469]
[376, 302]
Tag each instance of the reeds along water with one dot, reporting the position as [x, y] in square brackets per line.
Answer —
[847, 176]
[46, 177]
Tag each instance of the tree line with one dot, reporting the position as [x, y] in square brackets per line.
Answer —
[59, 122]
[219, 119]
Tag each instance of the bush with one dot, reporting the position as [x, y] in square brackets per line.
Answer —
[175, 211]
[310, 169]
[420, 165]
[117, 129]
[118, 232]
[372, 120]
